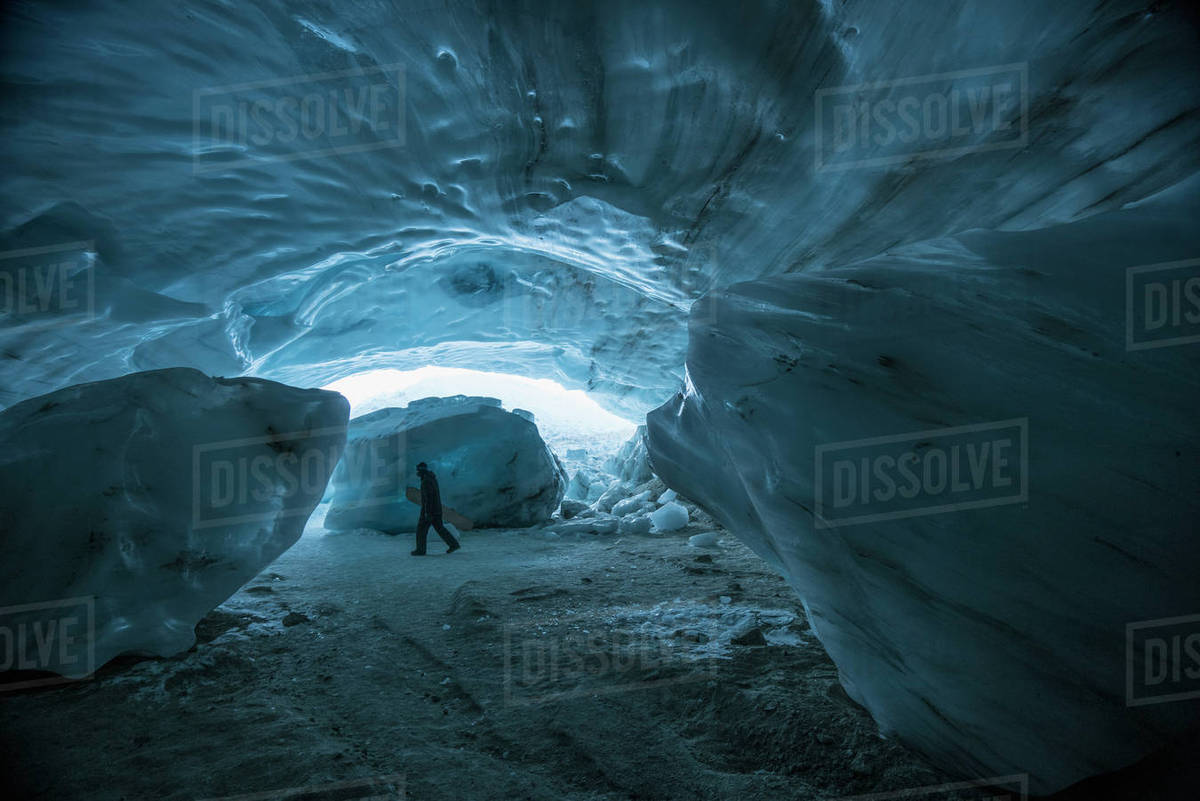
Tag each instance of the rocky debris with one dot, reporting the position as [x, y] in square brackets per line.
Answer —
[572, 508]
[539, 593]
[753, 638]
[467, 603]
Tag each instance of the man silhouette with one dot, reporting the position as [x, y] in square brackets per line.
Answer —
[431, 512]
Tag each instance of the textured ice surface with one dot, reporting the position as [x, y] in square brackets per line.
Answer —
[992, 638]
[577, 487]
[155, 496]
[550, 216]
[630, 463]
[631, 504]
[492, 466]
[617, 491]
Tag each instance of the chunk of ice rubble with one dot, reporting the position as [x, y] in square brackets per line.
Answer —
[616, 491]
[602, 524]
[638, 525]
[671, 517]
[631, 504]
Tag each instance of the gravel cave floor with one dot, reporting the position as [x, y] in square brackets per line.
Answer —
[518, 668]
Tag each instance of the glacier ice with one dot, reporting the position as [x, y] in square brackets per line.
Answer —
[635, 524]
[557, 215]
[990, 632]
[669, 517]
[586, 485]
[631, 504]
[630, 463]
[598, 524]
[642, 158]
[492, 466]
[154, 497]
[617, 491]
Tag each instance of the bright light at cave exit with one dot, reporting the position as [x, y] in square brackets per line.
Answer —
[567, 418]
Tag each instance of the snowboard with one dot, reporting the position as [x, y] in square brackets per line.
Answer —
[449, 515]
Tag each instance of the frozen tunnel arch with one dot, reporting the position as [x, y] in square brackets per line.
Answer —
[567, 419]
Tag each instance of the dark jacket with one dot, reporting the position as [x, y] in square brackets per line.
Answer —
[431, 496]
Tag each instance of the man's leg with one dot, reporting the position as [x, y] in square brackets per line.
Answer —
[422, 533]
[444, 533]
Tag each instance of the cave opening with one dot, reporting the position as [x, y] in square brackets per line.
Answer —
[574, 424]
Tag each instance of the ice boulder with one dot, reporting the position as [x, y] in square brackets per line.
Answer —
[670, 517]
[976, 459]
[616, 492]
[667, 496]
[134, 506]
[637, 525]
[631, 463]
[492, 466]
[630, 504]
[709, 539]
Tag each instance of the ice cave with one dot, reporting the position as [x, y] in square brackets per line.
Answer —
[456, 400]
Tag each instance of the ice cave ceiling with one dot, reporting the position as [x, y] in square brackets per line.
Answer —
[569, 179]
